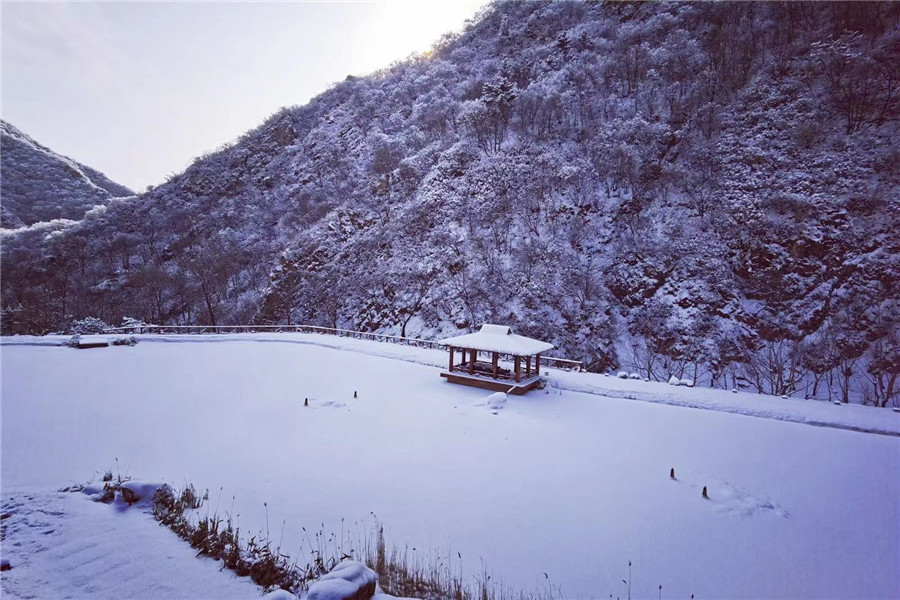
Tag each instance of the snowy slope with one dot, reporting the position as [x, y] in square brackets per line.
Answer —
[567, 483]
[63, 545]
[40, 185]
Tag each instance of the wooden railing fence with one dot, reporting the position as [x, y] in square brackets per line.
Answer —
[551, 361]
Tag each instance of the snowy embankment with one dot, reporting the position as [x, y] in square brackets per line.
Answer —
[63, 545]
[811, 412]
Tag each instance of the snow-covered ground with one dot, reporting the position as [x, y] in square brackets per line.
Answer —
[561, 482]
[63, 545]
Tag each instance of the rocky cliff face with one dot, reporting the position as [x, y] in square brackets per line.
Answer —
[709, 190]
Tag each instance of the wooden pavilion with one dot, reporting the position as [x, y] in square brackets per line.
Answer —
[496, 341]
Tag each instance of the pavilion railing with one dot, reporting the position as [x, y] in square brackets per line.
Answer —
[550, 361]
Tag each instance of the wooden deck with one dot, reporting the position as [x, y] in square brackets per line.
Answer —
[92, 344]
[496, 385]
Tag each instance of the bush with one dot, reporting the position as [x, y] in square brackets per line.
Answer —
[88, 325]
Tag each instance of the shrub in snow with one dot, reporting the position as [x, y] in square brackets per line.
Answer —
[73, 341]
[132, 322]
[674, 380]
[687, 382]
[88, 325]
[139, 491]
[125, 341]
[622, 375]
[634, 376]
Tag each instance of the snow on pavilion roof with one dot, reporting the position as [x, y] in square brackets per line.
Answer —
[498, 338]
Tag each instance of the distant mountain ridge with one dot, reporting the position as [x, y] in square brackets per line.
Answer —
[710, 190]
[38, 184]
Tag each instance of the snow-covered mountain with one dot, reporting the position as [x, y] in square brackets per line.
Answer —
[37, 184]
[709, 190]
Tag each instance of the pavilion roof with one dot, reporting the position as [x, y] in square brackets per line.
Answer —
[498, 338]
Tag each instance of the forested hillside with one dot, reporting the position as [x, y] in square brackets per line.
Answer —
[37, 184]
[705, 189]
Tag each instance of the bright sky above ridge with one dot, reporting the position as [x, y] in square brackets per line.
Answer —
[137, 90]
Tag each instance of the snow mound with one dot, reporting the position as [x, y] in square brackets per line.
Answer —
[93, 490]
[622, 375]
[349, 579]
[634, 376]
[140, 491]
[496, 400]
[674, 380]
[279, 594]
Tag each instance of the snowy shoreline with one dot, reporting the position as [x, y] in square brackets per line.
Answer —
[850, 417]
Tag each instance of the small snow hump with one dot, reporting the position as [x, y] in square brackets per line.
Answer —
[496, 400]
[279, 594]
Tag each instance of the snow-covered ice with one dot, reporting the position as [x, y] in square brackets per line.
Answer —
[567, 483]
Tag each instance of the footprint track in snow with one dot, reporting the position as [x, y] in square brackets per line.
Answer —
[730, 498]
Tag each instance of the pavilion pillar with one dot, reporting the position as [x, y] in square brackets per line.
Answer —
[518, 362]
[527, 366]
[495, 359]
[451, 359]
[473, 356]
[537, 364]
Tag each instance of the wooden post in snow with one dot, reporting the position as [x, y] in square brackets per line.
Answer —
[495, 359]
[518, 362]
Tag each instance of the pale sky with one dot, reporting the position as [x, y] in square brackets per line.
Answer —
[138, 90]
